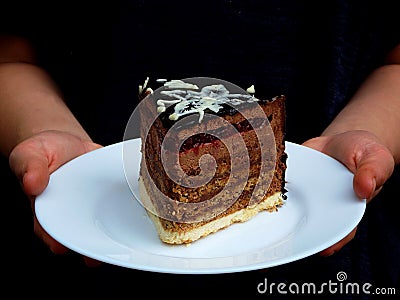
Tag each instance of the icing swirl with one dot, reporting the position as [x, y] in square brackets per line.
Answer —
[188, 100]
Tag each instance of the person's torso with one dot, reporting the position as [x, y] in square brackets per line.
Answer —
[316, 53]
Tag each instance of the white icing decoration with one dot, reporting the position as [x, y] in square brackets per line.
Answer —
[144, 86]
[161, 104]
[251, 89]
[150, 90]
[179, 84]
[189, 101]
[161, 109]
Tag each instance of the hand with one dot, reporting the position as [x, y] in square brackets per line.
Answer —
[366, 157]
[34, 159]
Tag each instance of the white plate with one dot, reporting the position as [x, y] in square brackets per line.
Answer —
[89, 208]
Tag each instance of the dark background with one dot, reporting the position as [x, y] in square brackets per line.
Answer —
[315, 53]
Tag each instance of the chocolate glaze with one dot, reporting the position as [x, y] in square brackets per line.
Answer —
[225, 110]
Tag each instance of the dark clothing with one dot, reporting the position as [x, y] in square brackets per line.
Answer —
[315, 52]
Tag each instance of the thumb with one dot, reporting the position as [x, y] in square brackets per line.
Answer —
[36, 177]
[374, 166]
[32, 169]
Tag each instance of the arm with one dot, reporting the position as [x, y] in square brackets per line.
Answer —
[364, 136]
[29, 100]
[373, 115]
[38, 133]
[375, 108]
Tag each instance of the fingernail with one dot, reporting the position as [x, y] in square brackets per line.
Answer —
[373, 188]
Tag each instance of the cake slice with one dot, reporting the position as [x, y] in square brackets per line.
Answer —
[212, 155]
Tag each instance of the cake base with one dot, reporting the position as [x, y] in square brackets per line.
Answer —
[199, 230]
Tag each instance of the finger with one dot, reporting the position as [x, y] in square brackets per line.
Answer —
[32, 170]
[36, 177]
[58, 248]
[339, 245]
[374, 165]
[90, 262]
[54, 246]
[316, 143]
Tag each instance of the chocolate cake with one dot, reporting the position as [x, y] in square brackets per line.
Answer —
[212, 155]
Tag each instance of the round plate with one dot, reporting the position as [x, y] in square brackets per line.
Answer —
[89, 207]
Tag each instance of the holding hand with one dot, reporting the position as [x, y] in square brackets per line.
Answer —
[366, 157]
[34, 159]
